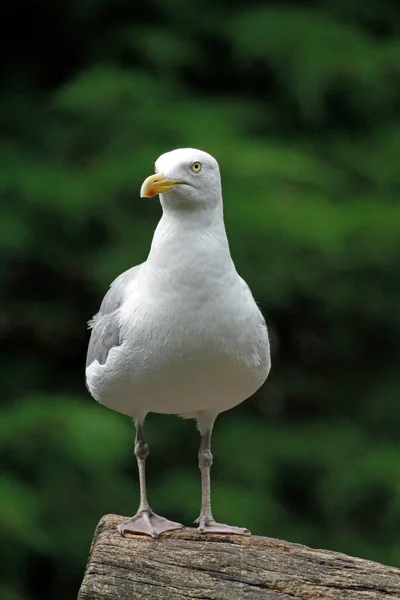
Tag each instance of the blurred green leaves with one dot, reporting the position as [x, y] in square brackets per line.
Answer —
[313, 55]
[299, 105]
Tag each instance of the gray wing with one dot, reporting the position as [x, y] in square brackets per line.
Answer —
[105, 327]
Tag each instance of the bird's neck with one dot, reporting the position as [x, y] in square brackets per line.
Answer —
[191, 247]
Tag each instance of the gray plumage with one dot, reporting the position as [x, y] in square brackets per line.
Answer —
[106, 333]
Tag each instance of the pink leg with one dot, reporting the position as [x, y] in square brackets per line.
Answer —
[206, 521]
[145, 522]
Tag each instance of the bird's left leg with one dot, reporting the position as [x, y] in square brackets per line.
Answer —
[206, 521]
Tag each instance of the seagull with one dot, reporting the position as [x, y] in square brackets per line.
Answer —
[180, 333]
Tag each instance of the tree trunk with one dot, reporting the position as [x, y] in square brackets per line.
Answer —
[185, 564]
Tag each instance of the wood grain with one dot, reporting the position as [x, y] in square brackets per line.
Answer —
[184, 564]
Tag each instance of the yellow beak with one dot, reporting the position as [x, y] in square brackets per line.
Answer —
[157, 184]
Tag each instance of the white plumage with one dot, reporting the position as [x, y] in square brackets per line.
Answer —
[180, 333]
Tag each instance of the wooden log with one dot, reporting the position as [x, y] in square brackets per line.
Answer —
[185, 564]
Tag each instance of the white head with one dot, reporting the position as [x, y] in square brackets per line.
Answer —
[186, 179]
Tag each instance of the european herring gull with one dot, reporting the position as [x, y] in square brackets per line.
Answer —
[180, 333]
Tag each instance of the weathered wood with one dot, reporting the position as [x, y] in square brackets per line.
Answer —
[184, 564]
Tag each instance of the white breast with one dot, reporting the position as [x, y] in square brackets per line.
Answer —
[180, 359]
[193, 337]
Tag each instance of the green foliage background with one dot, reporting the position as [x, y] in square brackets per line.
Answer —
[299, 103]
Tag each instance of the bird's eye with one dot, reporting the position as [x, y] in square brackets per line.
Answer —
[196, 166]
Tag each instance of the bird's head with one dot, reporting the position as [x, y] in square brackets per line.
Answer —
[186, 179]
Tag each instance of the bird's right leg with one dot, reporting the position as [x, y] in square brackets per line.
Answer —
[145, 522]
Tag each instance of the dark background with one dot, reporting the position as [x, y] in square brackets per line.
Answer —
[299, 102]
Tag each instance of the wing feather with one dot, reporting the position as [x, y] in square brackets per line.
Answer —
[106, 331]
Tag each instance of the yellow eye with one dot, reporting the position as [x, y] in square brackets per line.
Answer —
[196, 166]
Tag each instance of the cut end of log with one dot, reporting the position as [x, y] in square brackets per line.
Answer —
[185, 564]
